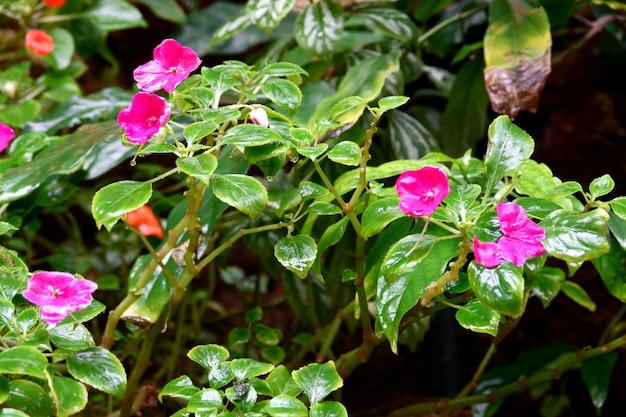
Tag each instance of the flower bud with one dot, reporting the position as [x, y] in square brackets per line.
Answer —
[39, 42]
[10, 88]
[259, 117]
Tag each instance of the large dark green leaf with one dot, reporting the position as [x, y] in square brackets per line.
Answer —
[110, 15]
[23, 360]
[99, 368]
[319, 27]
[165, 9]
[64, 156]
[383, 19]
[596, 374]
[29, 398]
[409, 138]
[576, 237]
[407, 270]
[500, 288]
[612, 269]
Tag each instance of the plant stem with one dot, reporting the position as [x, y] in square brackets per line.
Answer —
[445, 23]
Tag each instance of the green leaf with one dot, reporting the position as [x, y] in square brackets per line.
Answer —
[198, 166]
[596, 374]
[244, 193]
[27, 319]
[319, 27]
[286, 406]
[385, 20]
[19, 114]
[312, 152]
[13, 274]
[317, 380]
[61, 56]
[110, 15]
[213, 359]
[267, 14]
[330, 237]
[348, 110]
[70, 396]
[23, 360]
[266, 335]
[328, 409]
[198, 130]
[465, 116]
[501, 288]
[479, 318]
[407, 270]
[284, 93]
[282, 69]
[409, 138]
[296, 253]
[576, 237]
[71, 337]
[547, 284]
[601, 186]
[619, 206]
[205, 401]
[391, 102]
[237, 23]
[578, 294]
[612, 270]
[246, 368]
[281, 382]
[29, 398]
[11, 412]
[508, 147]
[346, 153]
[462, 201]
[379, 214]
[113, 201]
[310, 190]
[99, 368]
[250, 135]
[165, 9]
[181, 387]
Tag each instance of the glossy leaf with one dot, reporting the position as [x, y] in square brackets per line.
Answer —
[63, 51]
[407, 270]
[348, 110]
[379, 214]
[319, 27]
[619, 206]
[576, 237]
[250, 135]
[282, 69]
[113, 201]
[110, 15]
[328, 409]
[296, 253]
[612, 270]
[508, 147]
[312, 152]
[462, 201]
[244, 193]
[246, 368]
[331, 236]
[284, 93]
[409, 138]
[547, 284]
[317, 380]
[267, 14]
[11, 412]
[578, 294]
[310, 190]
[207, 400]
[281, 382]
[213, 359]
[29, 398]
[479, 318]
[181, 387]
[345, 153]
[195, 132]
[70, 396]
[601, 186]
[23, 360]
[71, 337]
[286, 406]
[500, 288]
[596, 374]
[98, 368]
[386, 20]
[198, 166]
[165, 9]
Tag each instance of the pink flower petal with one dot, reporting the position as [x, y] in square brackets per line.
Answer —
[6, 136]
[421, 191]
[145, 116]
[172, 64]
[518, 251]
[487, 254]
[512, 217]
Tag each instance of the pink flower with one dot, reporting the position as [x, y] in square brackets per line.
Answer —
[521, 239]
[145, 116]
[172, 63]
[39, 42]
[6, 136]
[259, 117]
[421, 191]
[58, 294]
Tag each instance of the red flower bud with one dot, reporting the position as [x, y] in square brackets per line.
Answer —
[39, 42]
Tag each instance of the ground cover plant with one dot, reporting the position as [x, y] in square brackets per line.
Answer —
[241, 237]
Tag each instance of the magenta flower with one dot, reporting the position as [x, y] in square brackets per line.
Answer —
[421, 191]
[259, 117]
[172, 63]
[58, 294]
[6, 136]
[521, 239]
[145, 116]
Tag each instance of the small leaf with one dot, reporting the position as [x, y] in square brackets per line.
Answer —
[286, 406]
[243, 192]
[113, 201]
[578, 294]
[109, 15]
[619, 206]
[331, 236]
[500, 288]
[198, 166]
[312, 152]
[281, 382]
[23, 360]
[282, 69]
[246, 368]
[601, 186]
[328, 409]
[348, 110]
[346, 153]
[391, 102]
[296, 253]
[199, 130]
[379, 214]
[478, 318]
[205, 401]
[547, 284]
[99, 368]
[250, 135]
[317, 380]
[181, 387]
[63, 51]
[209, 356]
[596, 374]
[284, 93]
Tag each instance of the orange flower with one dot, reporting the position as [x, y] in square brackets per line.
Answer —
[54, 3]
[144, 220]
[39, 42]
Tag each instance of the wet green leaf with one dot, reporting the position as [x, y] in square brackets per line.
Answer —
[317, 380]
[286, 406]
[331, 236]
[596, 374]
[346, 153]
[479, 318]
[296, 253]
[500, 288]
[113, 201]
[328, 409]
[246, 368]
[195, 132]
[319, 27]
[312, 152]
[391, 102]
[99, 368]
[109, 15]
[23, 360]
[284, 93]
[244, 193]
[70, 396]
[207, 400]
[71, 337]
[281, 382]
[250, 135]
[181, 387]
[601, 186]
[198, 166]
[29, 398]
[379, 214]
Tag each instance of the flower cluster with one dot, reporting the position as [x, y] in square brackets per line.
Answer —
[6, 136]
[421, 191]
[144, 220]
[148, 112]
[58, 294]
[39, 42]
[521, 239]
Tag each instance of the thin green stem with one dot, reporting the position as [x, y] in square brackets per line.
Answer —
[445, 23]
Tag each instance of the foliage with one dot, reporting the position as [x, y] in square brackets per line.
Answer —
[327, 173]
